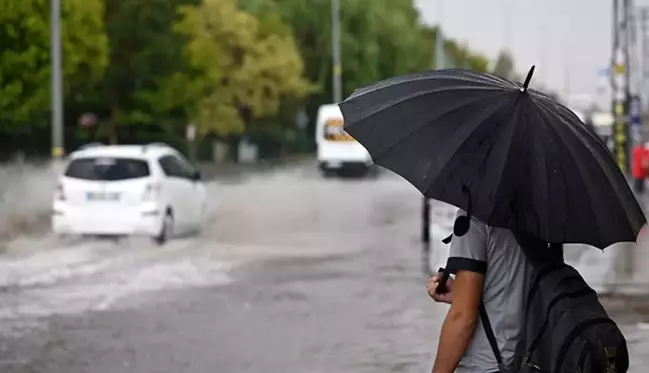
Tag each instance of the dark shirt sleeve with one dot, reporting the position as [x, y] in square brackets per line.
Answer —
[469, 252]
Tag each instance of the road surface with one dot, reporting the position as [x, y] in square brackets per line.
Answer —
[292, 273]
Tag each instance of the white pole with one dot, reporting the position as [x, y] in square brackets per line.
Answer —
[440, 51]
[57, 85]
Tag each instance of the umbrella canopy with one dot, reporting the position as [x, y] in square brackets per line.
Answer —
[512, 157]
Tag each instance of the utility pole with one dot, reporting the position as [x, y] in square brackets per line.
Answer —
[540, 31]
[440, 58]
[621, 97]
[507, 20]
[644, 54]
[628, 34]
[440, 50]
[567, 84]
[638, 20]
[335, 40]
[57, 84]
[620, 83]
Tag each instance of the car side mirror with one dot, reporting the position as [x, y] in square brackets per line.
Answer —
[196, 176]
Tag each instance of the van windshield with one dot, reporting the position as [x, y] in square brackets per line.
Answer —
[107, 169]
[333, 130]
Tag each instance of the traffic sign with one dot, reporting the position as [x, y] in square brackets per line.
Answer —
[634, 108]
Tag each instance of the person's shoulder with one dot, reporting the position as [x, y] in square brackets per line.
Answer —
[476, 224]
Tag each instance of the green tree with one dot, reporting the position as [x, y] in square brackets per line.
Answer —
[504, 66]
[248, 66]
[145, 81]
[459, 55]
[379, 38]
[25, 72]
[462, 56]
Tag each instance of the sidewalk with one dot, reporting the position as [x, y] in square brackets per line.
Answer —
[628, 271]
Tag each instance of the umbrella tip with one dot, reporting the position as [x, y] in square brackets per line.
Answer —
[527, 79]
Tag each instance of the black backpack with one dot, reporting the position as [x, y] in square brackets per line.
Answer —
[568, 330]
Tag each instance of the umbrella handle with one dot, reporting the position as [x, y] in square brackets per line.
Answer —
[441, 285]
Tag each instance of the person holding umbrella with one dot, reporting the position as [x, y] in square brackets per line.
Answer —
[528, 176]
[502, 288]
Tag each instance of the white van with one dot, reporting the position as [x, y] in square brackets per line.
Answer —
[337, 150]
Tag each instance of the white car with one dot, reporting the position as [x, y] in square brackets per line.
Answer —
[149, 190]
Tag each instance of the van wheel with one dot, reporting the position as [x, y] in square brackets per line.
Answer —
[166, 230]
[327, 173]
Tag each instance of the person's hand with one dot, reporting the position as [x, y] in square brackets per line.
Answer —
[433, 281]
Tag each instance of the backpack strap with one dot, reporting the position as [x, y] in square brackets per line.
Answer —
[451, 267]
[491, 336]
[489, 332]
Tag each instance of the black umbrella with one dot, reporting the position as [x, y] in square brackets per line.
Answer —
[512, 157]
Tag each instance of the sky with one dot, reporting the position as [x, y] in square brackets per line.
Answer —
[569, 41]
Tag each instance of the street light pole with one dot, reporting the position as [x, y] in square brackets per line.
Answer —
[567, 87]
[440, 55]
[57, 85]
[619, 83]
[644, 55]
[335, 41]
[507, 37]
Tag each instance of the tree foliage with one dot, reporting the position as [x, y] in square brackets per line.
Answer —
[234, 67]
[248, 65]
[143, 82]
[25, 59]
[504, 66]
[379, 39]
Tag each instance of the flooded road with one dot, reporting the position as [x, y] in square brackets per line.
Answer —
[292, 273]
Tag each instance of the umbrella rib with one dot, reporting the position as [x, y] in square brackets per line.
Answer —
[588, 187]
[391, 103]
[548, 104]
[419, 128]
[503, 168]
[546, 192]
[431, 75]
[545, 121]
[497, 108]
[610, 174]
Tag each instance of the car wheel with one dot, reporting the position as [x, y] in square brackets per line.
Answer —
[166, 230]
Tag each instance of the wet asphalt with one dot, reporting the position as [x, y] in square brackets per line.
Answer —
[315, 275]
[291, 273]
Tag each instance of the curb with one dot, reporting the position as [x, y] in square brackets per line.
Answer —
[214, 171]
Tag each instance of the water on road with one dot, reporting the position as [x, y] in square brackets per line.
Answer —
[292, 273]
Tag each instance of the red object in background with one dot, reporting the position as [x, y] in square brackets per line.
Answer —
[640, 162]
[87, 120]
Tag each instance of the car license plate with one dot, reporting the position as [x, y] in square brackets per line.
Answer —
[96, 196]
[334, 164]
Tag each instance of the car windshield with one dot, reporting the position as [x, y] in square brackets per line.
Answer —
[107, 169]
